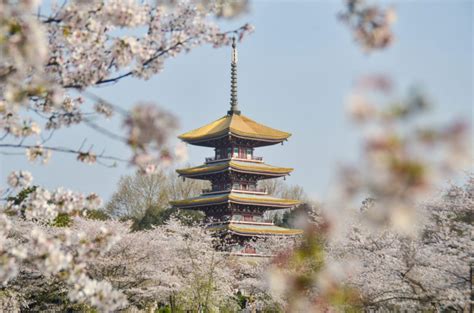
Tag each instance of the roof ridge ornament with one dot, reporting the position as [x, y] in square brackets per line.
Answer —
[234, 105]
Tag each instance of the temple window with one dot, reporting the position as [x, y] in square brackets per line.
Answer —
[229, 152]
[249, 153]
[248, 217]
[236, 152]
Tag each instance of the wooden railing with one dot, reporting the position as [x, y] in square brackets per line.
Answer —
[252, 158]
[251, 189]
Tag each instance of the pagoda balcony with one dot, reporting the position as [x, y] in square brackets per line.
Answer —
[263, 222]
[262, 191]
[250, 158]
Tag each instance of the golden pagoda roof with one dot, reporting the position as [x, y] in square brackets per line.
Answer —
[254, 229]
[239, 166]
[235, 125]
[234, 197]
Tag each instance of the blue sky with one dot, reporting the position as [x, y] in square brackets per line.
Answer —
[294, 74]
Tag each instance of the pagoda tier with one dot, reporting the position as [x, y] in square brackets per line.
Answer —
[228, 170]
[253, 229]
[234, 130]
[212, 202]
[234, 205]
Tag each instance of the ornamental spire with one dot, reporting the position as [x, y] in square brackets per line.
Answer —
[234, 105]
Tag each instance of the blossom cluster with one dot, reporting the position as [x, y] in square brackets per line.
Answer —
[19, 179]
[49, 60]
[42, 205]
[370, 24]
[149, 127]
[403, 158]
[29, 244]
[431, 270]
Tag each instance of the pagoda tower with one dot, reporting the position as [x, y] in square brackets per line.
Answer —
[234, 206]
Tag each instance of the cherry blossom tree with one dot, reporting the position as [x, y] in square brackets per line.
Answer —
[397, 272]
[34, 251]
[404, 160]
[51, 61]
[104, 264]
[50, 64]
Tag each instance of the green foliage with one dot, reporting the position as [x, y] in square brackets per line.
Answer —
[19, 198]
[62, 220]
[164, 309]
[53, 298]
[241, 300]
[346, 299]
[22, 195]
[156, 217]
[99, 215]
[289, 217]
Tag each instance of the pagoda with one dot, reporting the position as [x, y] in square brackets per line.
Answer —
[235, 205]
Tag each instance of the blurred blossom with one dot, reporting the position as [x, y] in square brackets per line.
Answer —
[228, 8]
[8, 265]
[370, 24]
[38, 153]
[181, 152]
[87, 157]
[38, 207]
[302, 277]
[19, 179]
[148, 124]
[277, 282]
[359, 108]
[149, 129]
[402, 162]
[104, 109]
[30, 128]
[412, 271]
[125, 13]
[381, 83]
[93, 202]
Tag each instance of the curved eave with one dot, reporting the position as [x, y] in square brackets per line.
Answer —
[255, 169]
[264, 201]
[241, 231]
[234, 126]
[198, 202]
[253, 232]
[206, 141]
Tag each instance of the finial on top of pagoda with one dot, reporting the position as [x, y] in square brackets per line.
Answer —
[234, 105]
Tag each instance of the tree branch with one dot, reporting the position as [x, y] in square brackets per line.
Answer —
[61, 149]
